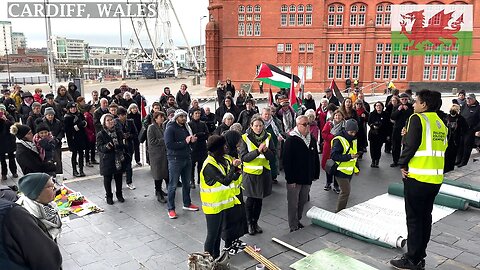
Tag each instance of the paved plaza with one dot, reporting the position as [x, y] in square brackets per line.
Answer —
[138, 234]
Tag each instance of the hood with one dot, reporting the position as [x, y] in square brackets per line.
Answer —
[72, 84]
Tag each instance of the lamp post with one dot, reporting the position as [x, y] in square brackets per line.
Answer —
[200, 52]
[8, 66]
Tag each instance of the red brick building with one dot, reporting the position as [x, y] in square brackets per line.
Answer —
[329, 39]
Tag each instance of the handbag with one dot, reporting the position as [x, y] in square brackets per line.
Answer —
[142, 135]
[205, 261]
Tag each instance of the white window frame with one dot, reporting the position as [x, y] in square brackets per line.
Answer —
[280, 47]
[249, 29]
[332, 47]
[308, 19]
[445, 59]
[348, 58]
[444, 73]
[435, 70]
[302, 47]
[284, 8]
[394, 72]
[452, 74]
[355, 72]
[300, 19]
[356, 58]
[426, 73]
[309, 73]
[330, 72]
[331, 58]
[403, 72]
[379, 47]
[241, 29]
[377, 73]
[387, 58]
[257, 29]
[348, 47]
[288, 47]
[427, 59]
[378, 58]
[241, 9]
[283, 19]
[292, 19]
[396, 59]
[454, 59]
[340, 58]
[357, 47]
[436, 59]
[346, 72]
[338, 72]
[386, 72]
[310, 47]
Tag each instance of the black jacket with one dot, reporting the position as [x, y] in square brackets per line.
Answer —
[245, 117]
[7, 140]
[183, 101]
[28, 246]
[137, 120]
[222, 110]
[212, 174]
[300, 163]
[471, 115]
[210, 122]
[333, 100]
[56, 128]
[129, 132]
[379, 126]
[72, 91]
[30, 161]
[309, 104]
[200, 129]
[401, 116]
[56, 107]
[76, 139]
[175, 136]
[33, 120]
[97, 114]
[107, 155]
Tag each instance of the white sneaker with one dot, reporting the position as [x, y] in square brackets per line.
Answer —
[131, 186]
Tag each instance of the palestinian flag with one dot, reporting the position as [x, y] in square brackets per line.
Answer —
[272, 75]
[333, 86]
[432, 29]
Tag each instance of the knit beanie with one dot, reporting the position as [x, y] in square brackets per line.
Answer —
[42, 127]
[32, 184]
[19, 130]
[351, 125]
[2, 107]
[49, 110]
[178, 112]
[215, 143]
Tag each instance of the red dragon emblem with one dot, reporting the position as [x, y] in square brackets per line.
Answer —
[438, 27]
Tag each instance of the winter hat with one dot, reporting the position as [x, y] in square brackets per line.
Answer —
[42, 127]
[170, 111]
[36, 104]
[404, 95]
[351, 125]
[32, 184]
[27, 94]
[49, 110]
[232, 137]
[19, 130]
[71, 104]
[49, 95]
[472, 96]
[102, 119]
[2, 107]
[178, 113]
[215, 143]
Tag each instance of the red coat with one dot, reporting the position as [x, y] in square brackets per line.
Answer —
[321, 117]
[327, 137]
[90, 128]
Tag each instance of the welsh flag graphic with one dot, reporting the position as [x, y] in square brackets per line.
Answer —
[432, 29]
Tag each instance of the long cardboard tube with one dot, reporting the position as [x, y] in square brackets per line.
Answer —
[276, 240]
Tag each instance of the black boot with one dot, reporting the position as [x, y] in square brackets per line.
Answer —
[120, 197]
[251, 229]
[258, 229]
[373, 164]
[109, 199]
[81, 174]
[75, 172]
[160, 197]
[376, 163]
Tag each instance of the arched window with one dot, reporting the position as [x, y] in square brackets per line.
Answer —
[301, 8]
[284, 8]
[383, 14]
[335, 15]
[249, 9]
[357, 14]
[258, 8]
[293, 8]
[241, 9]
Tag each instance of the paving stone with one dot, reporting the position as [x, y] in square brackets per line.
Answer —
[116, 257]
[468, 259]
[70, 264]
[445, 238]
[131, 265]
[161, 245]
[84, 257]
[443, 250]
[128, 243]
[453, 265]
[468, 246]
[142, 253]
[100, 265]
[103, 244]
[433, 260]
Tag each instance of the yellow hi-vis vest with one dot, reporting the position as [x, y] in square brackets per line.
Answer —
[427, 163]
[347, 167]
[256, 166]
[236, 184]
[218, 197]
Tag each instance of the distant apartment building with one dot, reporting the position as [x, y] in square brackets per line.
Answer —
[66, 50]
[18, 41]
[5, 38]
[199, 54]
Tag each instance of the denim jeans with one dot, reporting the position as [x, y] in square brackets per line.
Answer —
[179, 167]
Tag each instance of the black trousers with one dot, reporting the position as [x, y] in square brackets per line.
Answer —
[376, 148]
[214, 233]
[107, 183]
[419, 199]
[253, 208]
[74, 158]
[465, 148]
[199, 161]
[136, 149]
[11, 163]
[90, 152]
[330, 180]
[396, 145]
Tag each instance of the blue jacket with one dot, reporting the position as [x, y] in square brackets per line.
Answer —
[175, 136]
[337, 153]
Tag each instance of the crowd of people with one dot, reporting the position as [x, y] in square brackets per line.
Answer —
[235, 152]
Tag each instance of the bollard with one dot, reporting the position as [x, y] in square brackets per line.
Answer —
[454, 91]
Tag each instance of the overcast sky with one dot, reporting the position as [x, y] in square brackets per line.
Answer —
[106, 32]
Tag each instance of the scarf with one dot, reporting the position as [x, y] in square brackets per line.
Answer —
[119, 157]
[47, 214]
[270, 122]
[36, 141]
[336, 128]
[258, 139]
[287, 118]
[305, 139]
[29, 145]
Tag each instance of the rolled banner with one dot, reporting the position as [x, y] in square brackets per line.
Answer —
[354, 228]
[461, 184]
[440, 199]
[471, 196]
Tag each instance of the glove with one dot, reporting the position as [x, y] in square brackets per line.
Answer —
[76, 128]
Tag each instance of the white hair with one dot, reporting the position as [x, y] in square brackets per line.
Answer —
[127, 94]
[228, 116]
